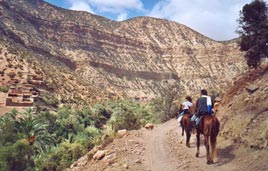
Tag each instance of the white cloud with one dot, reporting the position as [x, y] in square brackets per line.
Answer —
[116, 6]
[80, 6]
[215, 19]
[110, 6]
[122, 16]
[121, 8]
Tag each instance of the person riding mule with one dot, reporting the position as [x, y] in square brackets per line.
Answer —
[188, 110]
[208, 125]
[204, 107]
[185, 107]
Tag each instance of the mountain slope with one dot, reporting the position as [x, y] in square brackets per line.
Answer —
[140, 57]
[59, 81]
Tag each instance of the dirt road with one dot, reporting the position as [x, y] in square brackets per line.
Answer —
[165, 152]
[158, 153]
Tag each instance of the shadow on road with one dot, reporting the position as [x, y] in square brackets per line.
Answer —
[225, 155]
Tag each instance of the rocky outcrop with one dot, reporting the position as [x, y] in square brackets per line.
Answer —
[139, 57]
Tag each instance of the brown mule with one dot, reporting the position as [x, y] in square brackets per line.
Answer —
[209, 127]
[187, 126]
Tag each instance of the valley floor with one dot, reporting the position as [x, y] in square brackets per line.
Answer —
[160, 150]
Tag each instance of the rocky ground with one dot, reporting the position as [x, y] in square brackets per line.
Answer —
[160, 149]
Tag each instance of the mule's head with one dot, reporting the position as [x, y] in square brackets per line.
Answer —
[180, 108]
[193, 109]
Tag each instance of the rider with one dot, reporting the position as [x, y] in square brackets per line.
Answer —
[185, 107]
[204, 106]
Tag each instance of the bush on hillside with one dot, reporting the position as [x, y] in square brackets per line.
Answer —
[61, 157]
[4, 89]
[131, 115]
[49, 99]
[11, 75]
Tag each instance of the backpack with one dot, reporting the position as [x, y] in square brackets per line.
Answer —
[204, 105]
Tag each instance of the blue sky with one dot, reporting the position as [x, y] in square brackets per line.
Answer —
[216, 19]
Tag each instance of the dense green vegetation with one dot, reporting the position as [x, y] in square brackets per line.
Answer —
[49, 140]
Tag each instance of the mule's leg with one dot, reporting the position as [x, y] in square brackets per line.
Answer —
[198, 143]
[182, 133]
[188, 136]
[206, 145]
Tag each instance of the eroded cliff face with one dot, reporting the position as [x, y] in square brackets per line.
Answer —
[139, 57]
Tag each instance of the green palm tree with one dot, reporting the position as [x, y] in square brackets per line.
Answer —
[8, 117]
[7, 132]
[34, 131]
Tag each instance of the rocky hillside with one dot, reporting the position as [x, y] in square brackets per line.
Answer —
[140, 57]
[245, 109]
[59, 81]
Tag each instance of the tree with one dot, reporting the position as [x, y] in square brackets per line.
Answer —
[169, 93]
[34, 131]
[253, 29]
[16, 157]
[7, 131]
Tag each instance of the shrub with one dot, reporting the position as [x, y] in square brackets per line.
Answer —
[125, 119]
[20, 74]
[100, 115]
[89, 137]
[49, 99]
[92, 131]
[61, 157]
[4, 89]
[10, 65]
[11, 75]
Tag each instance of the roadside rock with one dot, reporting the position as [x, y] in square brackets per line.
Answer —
[138, 161]
[99, 155]
[81, 162]
[121, 133]
[91, 153]
[149, 126]
[126, 166]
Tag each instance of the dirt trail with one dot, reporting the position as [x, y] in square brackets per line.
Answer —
[158, 154]
[165, 152]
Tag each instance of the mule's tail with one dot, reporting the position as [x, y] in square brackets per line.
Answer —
[213, 143]
[215, 125]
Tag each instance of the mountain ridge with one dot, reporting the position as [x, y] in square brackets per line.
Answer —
[136, 47]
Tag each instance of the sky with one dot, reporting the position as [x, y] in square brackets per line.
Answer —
[216, 19]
